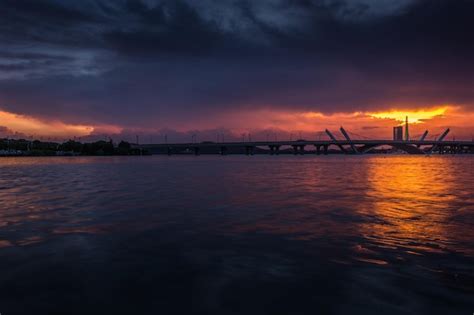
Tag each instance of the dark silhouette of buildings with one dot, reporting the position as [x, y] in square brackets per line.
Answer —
[398, 133]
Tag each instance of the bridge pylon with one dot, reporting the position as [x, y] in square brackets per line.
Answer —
[335, 140]
[346, 135]
[441, 138]
[424, 135]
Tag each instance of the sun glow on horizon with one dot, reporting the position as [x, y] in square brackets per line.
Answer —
[259, 123]
[414, 116]
[35, 127]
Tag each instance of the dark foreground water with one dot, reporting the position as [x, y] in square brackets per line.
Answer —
[237, 235]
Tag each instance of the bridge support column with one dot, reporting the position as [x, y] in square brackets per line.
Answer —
[249, 150]
[318, 149]
[196, 151]
[325, 149]
[274, 149]
[223, 150]
[295, 149]
[302, 149]
[298, 149]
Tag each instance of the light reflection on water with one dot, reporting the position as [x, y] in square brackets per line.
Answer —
[418, 204]
[379, 211]
[421, 204]
[414, 204]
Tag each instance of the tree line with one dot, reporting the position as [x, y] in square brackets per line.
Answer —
[70, 147]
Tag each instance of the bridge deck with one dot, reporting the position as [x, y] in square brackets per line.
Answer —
[320, 146]
[309, 143]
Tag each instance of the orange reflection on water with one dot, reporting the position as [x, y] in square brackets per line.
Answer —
[403, 205]
[409, 199]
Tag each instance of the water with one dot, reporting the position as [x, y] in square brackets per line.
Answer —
[237, 235]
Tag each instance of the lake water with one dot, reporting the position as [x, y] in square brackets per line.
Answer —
[237, 235]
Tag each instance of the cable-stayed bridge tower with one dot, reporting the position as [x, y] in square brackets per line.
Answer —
[407, 134]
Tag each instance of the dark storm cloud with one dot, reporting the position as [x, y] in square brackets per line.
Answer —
[145, 62]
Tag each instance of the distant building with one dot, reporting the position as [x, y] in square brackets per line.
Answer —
[398, 133]
[407, 135]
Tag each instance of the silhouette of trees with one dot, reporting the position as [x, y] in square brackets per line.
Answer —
[124, 148]
[37, 147]
[71, 146]
[98, 148]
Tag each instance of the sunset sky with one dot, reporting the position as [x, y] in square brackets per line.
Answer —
[229, 68]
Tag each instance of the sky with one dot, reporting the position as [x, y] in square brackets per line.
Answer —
[233, 69]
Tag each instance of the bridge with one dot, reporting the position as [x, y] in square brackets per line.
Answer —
[333, 145]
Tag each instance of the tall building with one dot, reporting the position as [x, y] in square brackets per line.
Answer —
[407, 135]
[398, 133]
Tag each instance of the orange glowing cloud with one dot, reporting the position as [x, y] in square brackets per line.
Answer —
[370, 124]
[28, 125]
[414, 116]
[264, 123]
